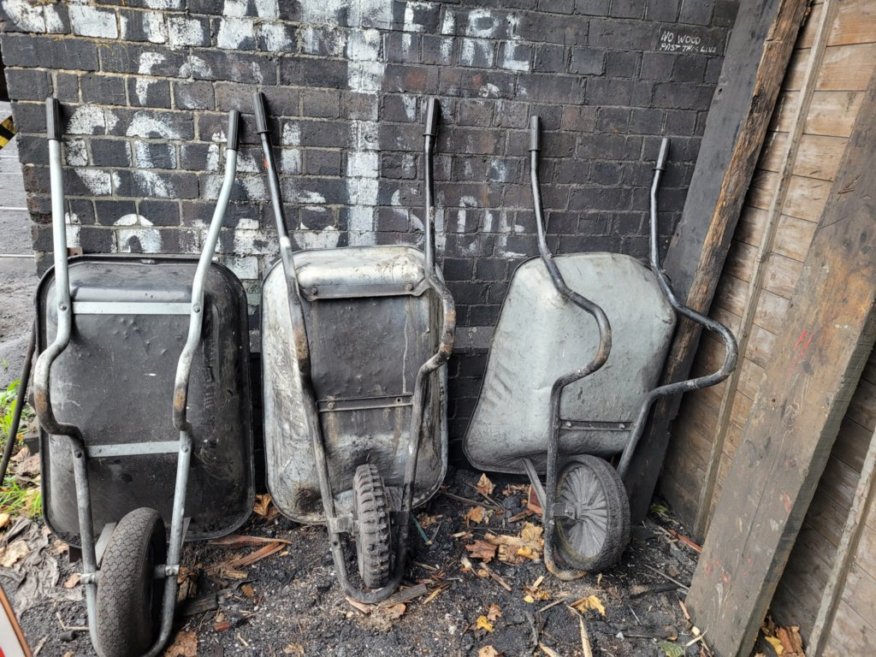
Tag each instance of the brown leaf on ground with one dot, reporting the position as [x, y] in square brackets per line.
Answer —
[527, 546]
[514, 489]
[482, 550]
[476, 515]
[393, 612]
[489, 651]
[264, 508]
[484, 485]
[791, 640]
[21, 455]
[494, 612]
[427, 521]
[247, 590]
[187, 582]
[72, 581]
[184, 645]
[532, 503]
[4, 520]
[590, 602]
[241, 540]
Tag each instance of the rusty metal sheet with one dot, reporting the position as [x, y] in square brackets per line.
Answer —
[539, 337]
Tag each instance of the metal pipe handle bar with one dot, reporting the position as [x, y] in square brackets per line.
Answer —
[19, 403]
[602, 352]
[196, 319]
[730, 347]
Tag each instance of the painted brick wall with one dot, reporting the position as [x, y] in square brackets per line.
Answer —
[145, 85]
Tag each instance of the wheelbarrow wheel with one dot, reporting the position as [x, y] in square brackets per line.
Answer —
[597, 536]
[373, 528]
[128, 594]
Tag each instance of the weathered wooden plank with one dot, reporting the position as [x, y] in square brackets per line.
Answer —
[820, 354]
[781, 274]
[819, 156]
[850, 635]
[771, 312]
[793, 237]
[754, 65]
[833, 113]
[856, 23]
[806, 197]
[751, 225]
[848, 68]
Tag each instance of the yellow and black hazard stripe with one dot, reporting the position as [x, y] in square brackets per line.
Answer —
[7, 131]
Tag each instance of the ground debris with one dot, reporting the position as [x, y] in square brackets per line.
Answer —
[784, 641]
[185, 644]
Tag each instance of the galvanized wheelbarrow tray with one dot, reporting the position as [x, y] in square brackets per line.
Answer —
[142, 392]
[354, 342]
[535, 416]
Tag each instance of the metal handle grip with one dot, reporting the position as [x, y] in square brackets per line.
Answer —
[534, 136]
[432, 117]
[261, 113]
[53, 119]
[233, 140]
[661, 157]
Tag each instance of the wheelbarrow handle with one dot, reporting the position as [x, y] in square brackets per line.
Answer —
[534, 134]
[233, 139]
[53, 119]
[662, 155]
[261, 112]
[432, 117]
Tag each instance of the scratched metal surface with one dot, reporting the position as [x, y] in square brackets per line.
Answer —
[539, 337]
[365, 352]
[115, 381]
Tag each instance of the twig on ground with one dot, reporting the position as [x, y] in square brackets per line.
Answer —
[665, 576]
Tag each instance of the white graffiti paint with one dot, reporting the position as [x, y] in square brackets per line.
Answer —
[234, 32]
[154, 184]
[147, 126]
[91, 22]
[88, 119]
[327, 238]
[195, 65]
[183, 31]
[75, 152]
[98, 182]
[134, 228]
[462, 213]
[147, 61]
[73, 226]
[250, 238]
[33, 18]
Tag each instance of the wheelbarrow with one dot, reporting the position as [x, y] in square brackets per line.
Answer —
[534, 416]
[143, 397]
[354, 342]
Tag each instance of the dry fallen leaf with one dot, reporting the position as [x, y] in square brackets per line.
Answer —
[14, 552]
[590, 602]
[294, 649]
[776, 644]
[475, 514]
[482, 550]
[263, 507]
[483, 623]
[184, 645]
[247, 590]
[494, 612]
[426, 520]
[489, 651]
[4, 520]
[532, 503]
[72, 581]
[394, 612]
[485, 486]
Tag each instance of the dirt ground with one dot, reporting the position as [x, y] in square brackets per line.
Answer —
[290, 603]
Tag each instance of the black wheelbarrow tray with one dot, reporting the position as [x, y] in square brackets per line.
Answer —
[566, 396]
[142, 391]
[354, 342]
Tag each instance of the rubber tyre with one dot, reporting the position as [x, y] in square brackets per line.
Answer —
[596, 541]
[373, 527]
[128, 594]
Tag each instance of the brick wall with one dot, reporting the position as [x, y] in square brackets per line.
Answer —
[146, 84]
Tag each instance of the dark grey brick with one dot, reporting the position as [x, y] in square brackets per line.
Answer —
[108, 211]
[627, 8]
[609, 147]
[613, 119]
[557, 6]
[632, 35]
[193, 95]
[689, 68]
[28, 84]
[436, 50]
[319, 103]
[154, 155]
[587, 61]
[475, 112]
[32, 50]
[321, 162]
[550, 58]
[657, 66]
[148, 92]
[469, 82]
[663, 10]
[548, 28]
[579, 119]
[682, 96]
[67, 87]
[155, 184]
[645, 121]
[160, 213]
[30, 117]
[552, 88]
[153, 124]
[235, 67]
[608, 91]
[622, 64]
[109, 152]
[724, 14]
[592, 7]
[696, 12]
[320, 72]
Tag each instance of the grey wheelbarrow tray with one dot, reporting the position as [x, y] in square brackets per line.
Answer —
[534, 415]
[354, 342]
[143, 397]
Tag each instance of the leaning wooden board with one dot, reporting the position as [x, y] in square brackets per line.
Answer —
[818, 357]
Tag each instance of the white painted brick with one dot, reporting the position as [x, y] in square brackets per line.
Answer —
[91, 22]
